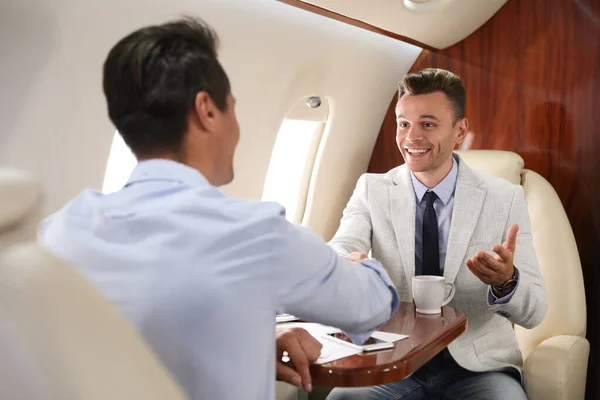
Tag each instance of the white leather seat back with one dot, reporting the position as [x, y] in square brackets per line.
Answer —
[71, 336]
[20, 206]
[558, 257]
[554, 244]
[502, 164]
[59, 337]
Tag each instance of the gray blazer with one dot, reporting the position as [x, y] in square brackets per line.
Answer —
[380, 217]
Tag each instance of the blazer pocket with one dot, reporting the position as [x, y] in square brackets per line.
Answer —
[499, 345]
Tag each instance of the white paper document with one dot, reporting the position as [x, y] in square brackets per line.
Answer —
[335, 349]
[332, 351]
[388, 337]
[285, 318]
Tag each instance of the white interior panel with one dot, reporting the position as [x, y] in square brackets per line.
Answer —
[53, 119]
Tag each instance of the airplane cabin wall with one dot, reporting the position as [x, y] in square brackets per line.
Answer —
[53, 119]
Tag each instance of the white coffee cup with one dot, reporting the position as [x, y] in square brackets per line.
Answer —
[429, 292]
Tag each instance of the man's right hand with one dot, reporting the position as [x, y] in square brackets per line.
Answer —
[302, 349]
[356, 256]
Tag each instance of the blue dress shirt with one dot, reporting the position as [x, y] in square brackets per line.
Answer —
[443, 206]
[202, 275]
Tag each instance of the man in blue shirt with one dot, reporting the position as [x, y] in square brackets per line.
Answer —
[201, 275]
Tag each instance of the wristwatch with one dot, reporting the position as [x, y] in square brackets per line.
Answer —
[509, 285]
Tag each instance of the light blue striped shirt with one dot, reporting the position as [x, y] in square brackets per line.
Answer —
[202, 275]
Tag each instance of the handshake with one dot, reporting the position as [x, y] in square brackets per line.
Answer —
[356, 256]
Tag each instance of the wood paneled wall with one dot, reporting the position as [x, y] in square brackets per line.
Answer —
[532, 75]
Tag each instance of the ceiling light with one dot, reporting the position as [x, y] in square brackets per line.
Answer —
[424, 6]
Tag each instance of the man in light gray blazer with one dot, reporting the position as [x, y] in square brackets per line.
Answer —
[434, 215]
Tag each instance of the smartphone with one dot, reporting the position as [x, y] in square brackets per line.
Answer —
[372, 344]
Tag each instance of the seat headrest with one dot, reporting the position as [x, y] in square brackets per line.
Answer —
[499, 163]
[59, 336]
[20, 196]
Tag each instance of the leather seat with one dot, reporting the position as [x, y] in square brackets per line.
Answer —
[556, 352]
[59, 337]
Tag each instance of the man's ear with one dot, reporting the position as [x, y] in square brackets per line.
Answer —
[204, 111]
[462, 128]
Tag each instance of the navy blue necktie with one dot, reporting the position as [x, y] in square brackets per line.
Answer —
[430, 247]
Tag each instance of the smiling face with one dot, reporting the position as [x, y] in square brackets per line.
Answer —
[427, 133]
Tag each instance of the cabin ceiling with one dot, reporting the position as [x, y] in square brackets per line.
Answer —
[435, 23]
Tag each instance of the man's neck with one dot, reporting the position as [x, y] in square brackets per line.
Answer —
[201, 164]
[433, 177]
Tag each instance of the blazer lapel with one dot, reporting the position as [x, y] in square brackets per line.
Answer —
[468, 201]
[403, 212]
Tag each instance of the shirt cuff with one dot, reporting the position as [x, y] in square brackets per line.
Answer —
[493, 299]
[360, 338]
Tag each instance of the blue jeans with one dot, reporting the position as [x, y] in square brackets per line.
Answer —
[442, 378]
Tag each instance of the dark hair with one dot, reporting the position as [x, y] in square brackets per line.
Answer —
[151, 79]
[432, 80]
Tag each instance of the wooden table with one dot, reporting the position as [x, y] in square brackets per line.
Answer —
[429, 334]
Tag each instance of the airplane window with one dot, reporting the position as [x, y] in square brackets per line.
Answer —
[121, 163]
[293, 157]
